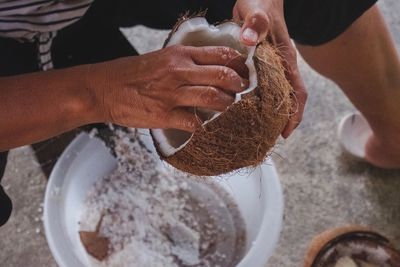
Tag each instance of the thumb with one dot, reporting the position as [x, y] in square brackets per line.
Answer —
[255, 28]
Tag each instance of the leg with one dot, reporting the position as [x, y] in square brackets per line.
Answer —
[363, 61]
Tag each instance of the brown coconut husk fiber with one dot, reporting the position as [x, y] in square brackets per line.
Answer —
[246, 132]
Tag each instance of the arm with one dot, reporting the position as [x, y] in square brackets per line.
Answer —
[39, 105]
[265, 17]
[148, 91]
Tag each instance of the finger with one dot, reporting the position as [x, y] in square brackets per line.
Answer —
[183, 120]
[300, 93]
[289, 56]
[220, 55]
[300, 97]
[255, 27]
[217, 76]
[236, 15]
[204, 96]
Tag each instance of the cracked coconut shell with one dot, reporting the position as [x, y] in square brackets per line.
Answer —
[246, 132]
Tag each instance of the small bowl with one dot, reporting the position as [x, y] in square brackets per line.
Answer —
[86, 160]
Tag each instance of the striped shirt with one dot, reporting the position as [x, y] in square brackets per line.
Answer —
[38, 21]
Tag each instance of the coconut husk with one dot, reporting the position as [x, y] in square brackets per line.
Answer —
[244, 134]
[356, 235]
[247, 131]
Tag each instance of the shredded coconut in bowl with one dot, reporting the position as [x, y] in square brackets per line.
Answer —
[153, 216]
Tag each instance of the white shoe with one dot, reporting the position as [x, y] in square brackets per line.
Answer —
[353, 134]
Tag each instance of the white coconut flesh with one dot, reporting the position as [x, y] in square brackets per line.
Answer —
[198, 32]
[352, 253]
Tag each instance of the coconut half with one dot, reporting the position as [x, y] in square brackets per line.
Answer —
[351, 246]
[246, 131]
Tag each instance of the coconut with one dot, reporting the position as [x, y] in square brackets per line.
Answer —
[351, 246]
[244, 134]
[95, 244]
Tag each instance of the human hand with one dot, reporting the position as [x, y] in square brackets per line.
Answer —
[262, 18]
[154, 90]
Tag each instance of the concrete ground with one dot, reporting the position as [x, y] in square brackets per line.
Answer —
[323, 188]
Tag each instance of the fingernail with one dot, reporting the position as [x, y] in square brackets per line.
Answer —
[249, 35]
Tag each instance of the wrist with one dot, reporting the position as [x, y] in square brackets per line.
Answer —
[96, 102]
[76, 102]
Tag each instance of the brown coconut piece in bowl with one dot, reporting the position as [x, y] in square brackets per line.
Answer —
[351, 246]
[247, 130]
[95, 244]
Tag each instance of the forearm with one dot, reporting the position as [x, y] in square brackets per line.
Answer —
[37, 106]
[147, 91]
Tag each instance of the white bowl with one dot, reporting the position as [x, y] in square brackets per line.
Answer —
[86, 160]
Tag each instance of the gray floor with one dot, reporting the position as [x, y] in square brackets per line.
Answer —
[323, 188]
